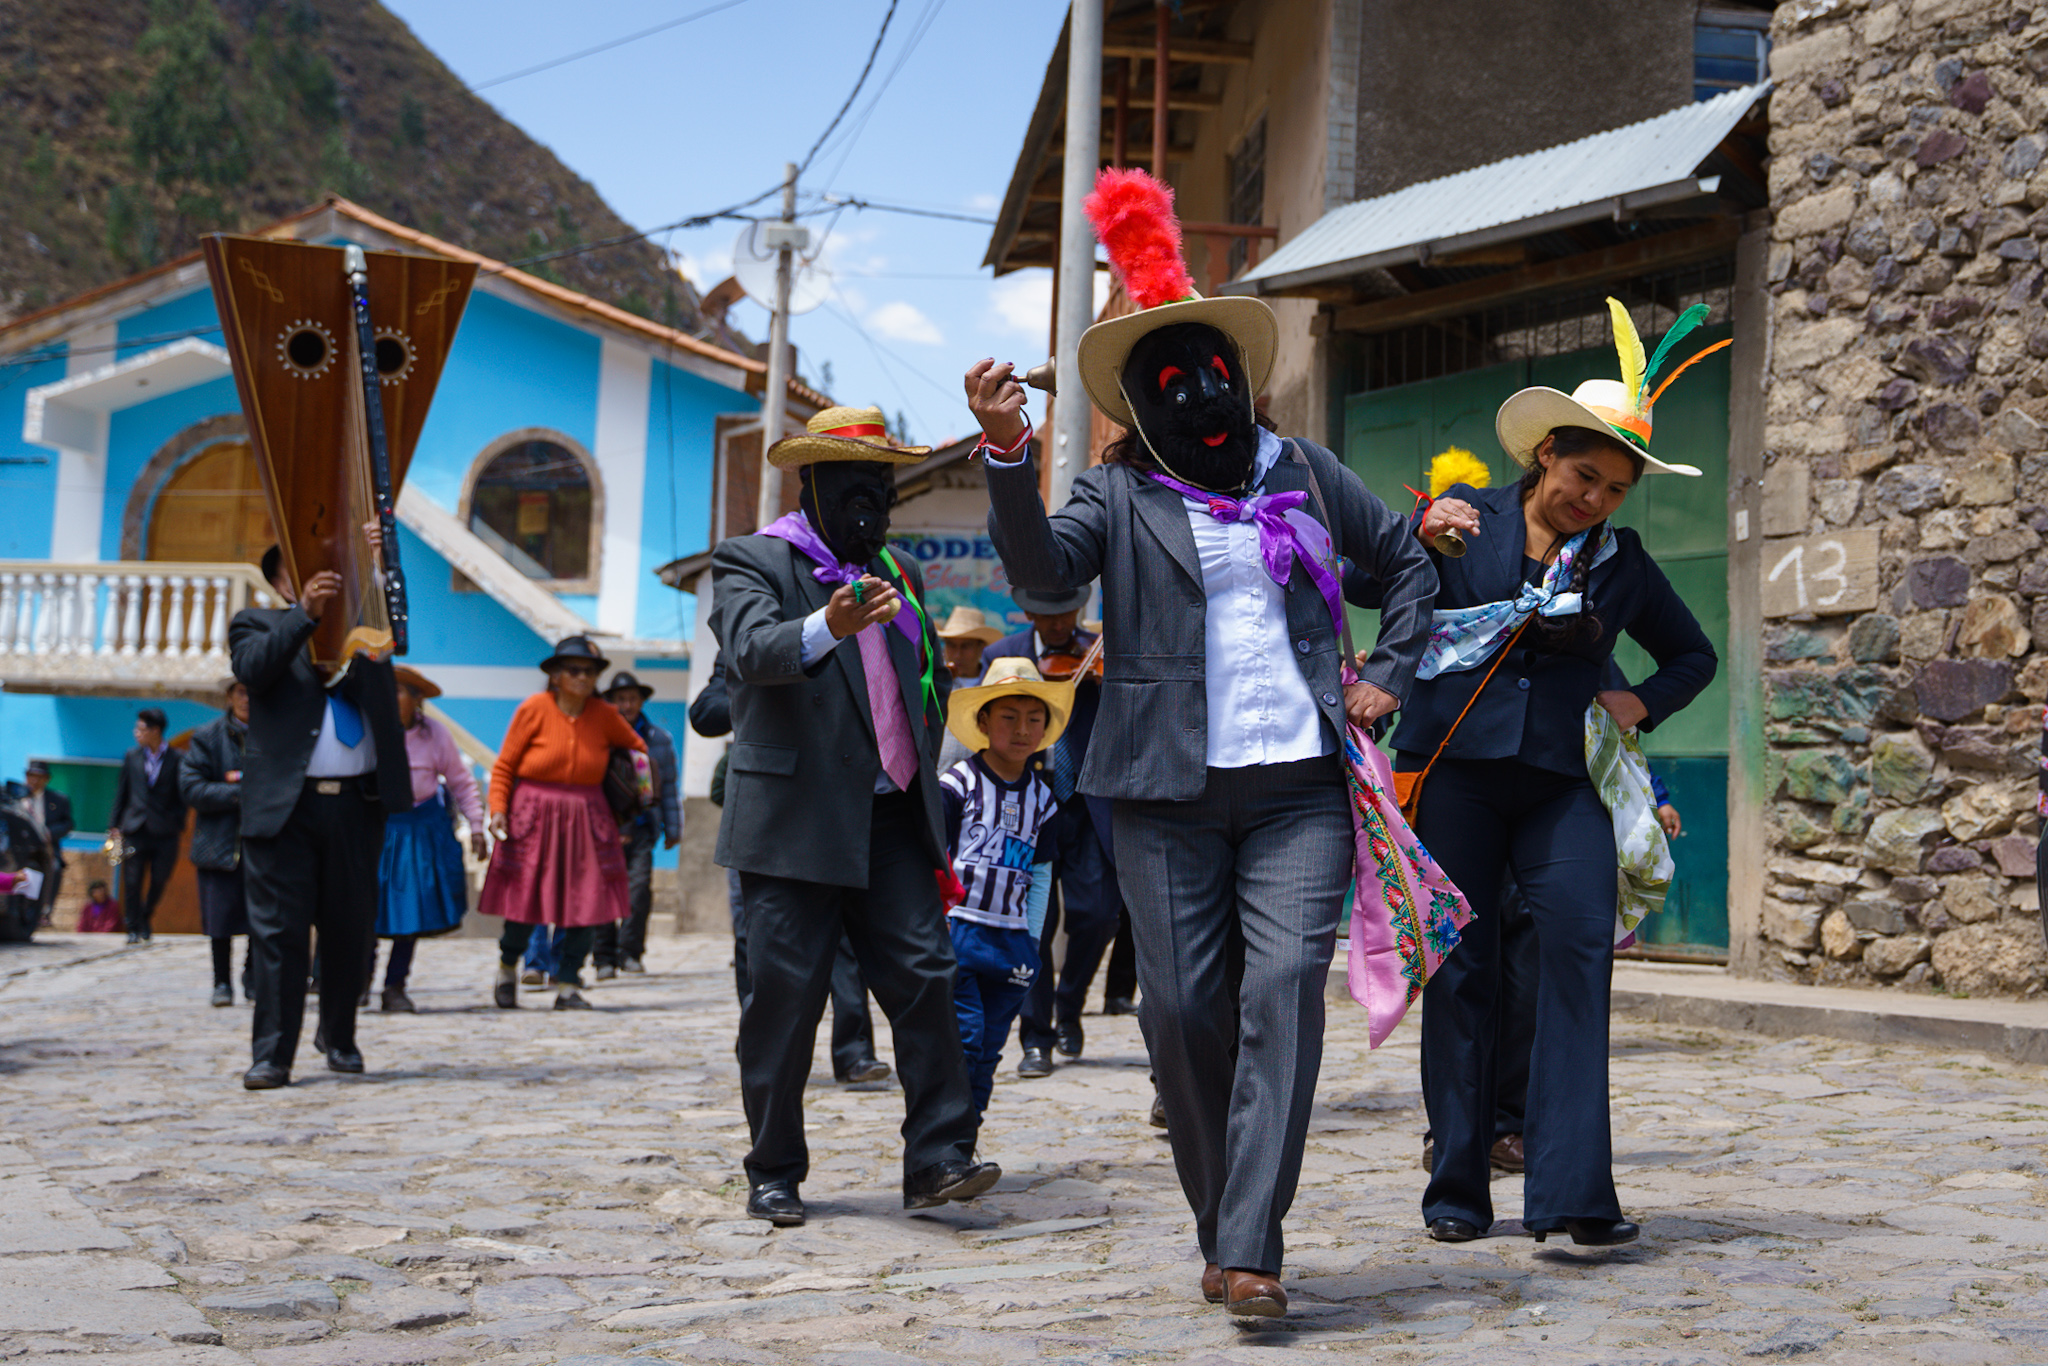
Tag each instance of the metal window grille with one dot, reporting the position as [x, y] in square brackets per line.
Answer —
[1247, 189]
[1531, 328]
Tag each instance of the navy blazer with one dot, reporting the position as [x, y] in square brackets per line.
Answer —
[1535, 707]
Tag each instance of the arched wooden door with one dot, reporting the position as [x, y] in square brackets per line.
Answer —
[211, 510]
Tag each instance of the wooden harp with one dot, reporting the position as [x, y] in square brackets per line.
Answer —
[336, 353]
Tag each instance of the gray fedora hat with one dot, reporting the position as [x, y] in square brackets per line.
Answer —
[1052, 604]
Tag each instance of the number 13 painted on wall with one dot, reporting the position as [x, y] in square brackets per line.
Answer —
[1821, 575]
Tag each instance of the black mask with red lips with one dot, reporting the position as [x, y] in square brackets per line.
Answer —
[848, 502]
[1188, 390]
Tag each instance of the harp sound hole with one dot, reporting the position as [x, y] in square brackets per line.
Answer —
[307, 349]
[394, 358]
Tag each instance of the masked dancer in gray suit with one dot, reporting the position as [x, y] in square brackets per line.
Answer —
[832, 813]
[1218, 739]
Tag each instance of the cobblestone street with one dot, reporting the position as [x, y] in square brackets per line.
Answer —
[565, 1189]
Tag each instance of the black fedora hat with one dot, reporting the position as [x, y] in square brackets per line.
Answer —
[38, 766]
[570, 649]
[623, 680]
[1052, 604]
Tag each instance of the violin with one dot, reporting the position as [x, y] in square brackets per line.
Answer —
[1062, 665]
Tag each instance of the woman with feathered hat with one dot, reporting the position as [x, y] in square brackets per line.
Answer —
[1520, 762]
[1219, 739]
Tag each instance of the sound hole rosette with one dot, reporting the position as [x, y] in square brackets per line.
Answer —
[395, 355]
[306, 348]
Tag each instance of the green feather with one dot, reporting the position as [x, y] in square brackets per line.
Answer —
[1687, 321]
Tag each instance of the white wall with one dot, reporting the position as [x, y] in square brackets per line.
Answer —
[624, 374]
[82, 471]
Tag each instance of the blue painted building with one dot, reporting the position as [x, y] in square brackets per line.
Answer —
[571, 449]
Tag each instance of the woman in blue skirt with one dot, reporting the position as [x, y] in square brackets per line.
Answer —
[421, 886]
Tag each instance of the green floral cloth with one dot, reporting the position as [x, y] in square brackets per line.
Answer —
[1614, 761]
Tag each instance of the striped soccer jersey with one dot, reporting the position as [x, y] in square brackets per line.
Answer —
[997, 840]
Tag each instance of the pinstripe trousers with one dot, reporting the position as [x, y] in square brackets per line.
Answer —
[1234, 901]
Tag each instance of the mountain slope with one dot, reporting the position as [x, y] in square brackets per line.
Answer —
[128, 127]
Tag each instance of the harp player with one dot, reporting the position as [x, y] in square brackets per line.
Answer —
[326, 762]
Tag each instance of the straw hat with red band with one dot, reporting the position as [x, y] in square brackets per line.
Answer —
[1134, 220]
[1617, 408]
[843, 434]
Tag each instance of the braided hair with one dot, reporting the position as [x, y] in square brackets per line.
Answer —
[1585, 626]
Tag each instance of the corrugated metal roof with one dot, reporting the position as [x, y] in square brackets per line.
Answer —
[1613, 173]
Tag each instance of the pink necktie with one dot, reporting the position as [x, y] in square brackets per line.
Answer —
[885, 703]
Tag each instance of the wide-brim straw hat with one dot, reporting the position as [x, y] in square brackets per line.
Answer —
[417, 681]
[969, 623]
[1008, 678]
[1248, 322]
[844, 434]
[1599, 405]
[575, 649]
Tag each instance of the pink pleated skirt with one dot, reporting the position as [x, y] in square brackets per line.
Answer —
[563, 864]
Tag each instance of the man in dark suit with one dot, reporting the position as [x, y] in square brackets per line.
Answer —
[832, 814]
[324, 765]
[1089, 905]
[149, 818]
[1225, 699]
[52, 811]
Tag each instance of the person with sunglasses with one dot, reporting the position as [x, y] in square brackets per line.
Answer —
[557, 857]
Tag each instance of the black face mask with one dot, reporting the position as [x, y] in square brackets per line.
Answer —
[848, 502]
[1187, 388]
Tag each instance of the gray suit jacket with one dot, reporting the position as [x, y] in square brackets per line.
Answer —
[800, 776]
[1151, 735]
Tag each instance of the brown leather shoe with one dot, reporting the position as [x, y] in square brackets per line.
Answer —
[1253, 1294]
[1212, 1283]
[1507, 1153]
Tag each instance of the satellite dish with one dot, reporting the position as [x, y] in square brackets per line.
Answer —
[753, 265]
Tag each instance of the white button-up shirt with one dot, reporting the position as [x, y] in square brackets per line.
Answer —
[1260, 708]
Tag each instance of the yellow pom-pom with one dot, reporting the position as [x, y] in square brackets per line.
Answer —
[1457, 466]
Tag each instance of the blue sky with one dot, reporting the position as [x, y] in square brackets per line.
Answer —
[705, 114]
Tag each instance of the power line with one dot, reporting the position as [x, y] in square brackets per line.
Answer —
[921, 26]
[853, 202]
[605, 47]
[873, 52]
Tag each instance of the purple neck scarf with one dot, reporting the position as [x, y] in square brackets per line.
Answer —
[796, 528]
[1280, 543]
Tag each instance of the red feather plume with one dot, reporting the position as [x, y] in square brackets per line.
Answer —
[1134, 220]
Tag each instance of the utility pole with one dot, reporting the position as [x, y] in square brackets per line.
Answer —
[1072, 411]
[786, 239]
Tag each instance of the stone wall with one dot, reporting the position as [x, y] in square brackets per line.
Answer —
[1907, 392]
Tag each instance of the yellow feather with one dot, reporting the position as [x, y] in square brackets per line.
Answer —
[1457, 466]
[1630, 347]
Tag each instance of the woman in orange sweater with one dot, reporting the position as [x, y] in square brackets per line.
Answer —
[558, 859]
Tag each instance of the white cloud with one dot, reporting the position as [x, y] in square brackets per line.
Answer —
[704, 271]
[984, 203]
[1021, 302]
[904, 322]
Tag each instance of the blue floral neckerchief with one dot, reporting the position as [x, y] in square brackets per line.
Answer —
[1463, 638]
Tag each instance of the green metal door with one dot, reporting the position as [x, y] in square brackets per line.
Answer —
[1391, 435]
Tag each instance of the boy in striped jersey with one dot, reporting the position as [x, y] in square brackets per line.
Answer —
[995, 806]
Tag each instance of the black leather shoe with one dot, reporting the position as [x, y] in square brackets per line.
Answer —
[776, 1202]
[506, 996]
[874, 1069]
[1599, 1232]
[223, 994]
[344, 1060]
[571, 999]
[265, 1076]
[1069, 1039]
[1035, 1063]
[1449, 1230]
[1119, 1005]
[954, 1180]
[396, 1002]
[1158, 1115]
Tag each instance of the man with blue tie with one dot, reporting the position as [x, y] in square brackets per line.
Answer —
[326, 762]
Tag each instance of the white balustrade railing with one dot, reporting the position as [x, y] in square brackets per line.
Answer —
[131, 619]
